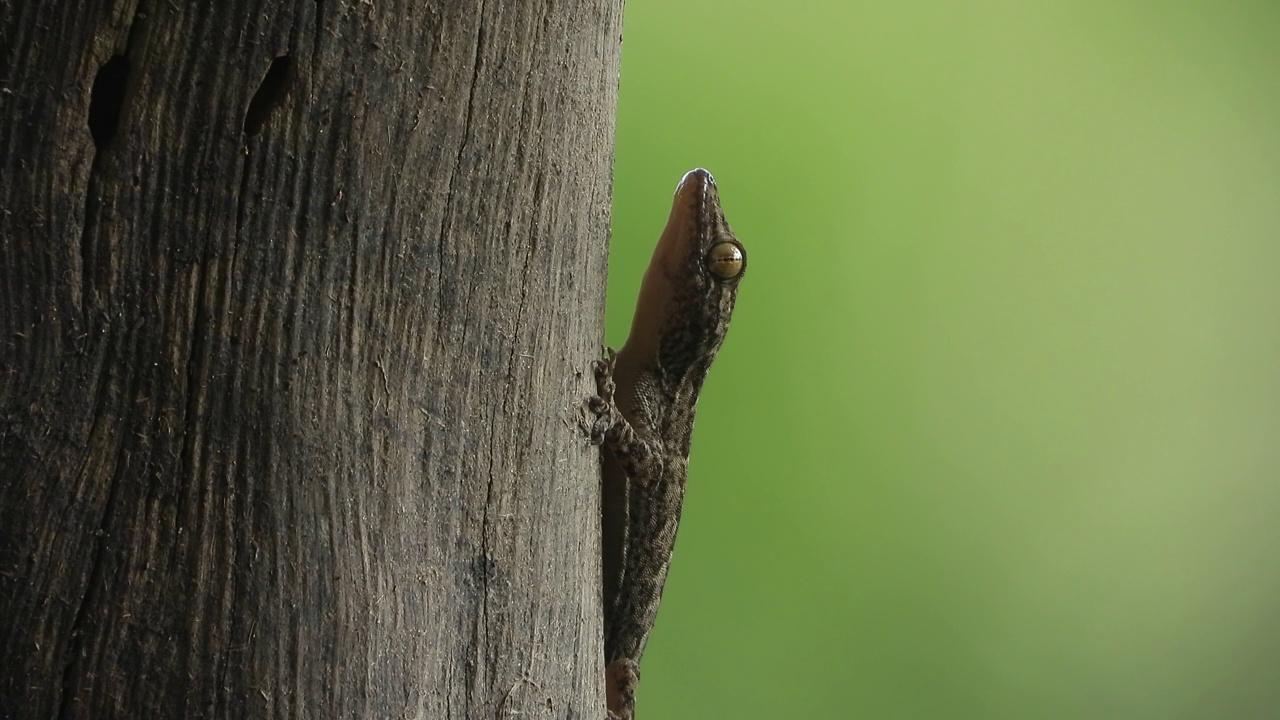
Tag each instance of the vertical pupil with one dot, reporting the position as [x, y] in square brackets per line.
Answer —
[725, 260]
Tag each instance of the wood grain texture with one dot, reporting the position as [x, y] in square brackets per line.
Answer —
[289, 369]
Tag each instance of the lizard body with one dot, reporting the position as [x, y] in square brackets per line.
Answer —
[647, 393]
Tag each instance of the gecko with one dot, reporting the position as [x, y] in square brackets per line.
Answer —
[646, 395]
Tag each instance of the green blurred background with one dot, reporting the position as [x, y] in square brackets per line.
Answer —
[994, 433]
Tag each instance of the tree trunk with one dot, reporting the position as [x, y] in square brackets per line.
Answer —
[294, 300]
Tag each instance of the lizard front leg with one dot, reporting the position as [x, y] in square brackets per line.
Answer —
[640, 458]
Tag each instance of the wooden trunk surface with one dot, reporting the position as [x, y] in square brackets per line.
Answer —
[296, 300]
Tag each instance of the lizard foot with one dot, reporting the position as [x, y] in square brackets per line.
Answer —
[603, 370]
[601, 404]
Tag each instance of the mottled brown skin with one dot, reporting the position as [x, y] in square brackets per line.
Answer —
[647, 395]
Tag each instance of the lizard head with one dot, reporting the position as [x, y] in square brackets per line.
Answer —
[689, 289]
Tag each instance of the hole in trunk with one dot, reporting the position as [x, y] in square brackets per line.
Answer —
[270, 93]
[107, 100]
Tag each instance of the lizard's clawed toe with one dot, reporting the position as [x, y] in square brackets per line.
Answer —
[605, 387]
[604, 367]
[598, 431]
[598, 406]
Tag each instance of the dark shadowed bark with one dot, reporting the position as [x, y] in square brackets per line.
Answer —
[294, 296]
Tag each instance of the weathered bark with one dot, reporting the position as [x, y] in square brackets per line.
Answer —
[293, 299]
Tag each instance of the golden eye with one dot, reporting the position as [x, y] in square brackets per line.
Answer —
[726, 260]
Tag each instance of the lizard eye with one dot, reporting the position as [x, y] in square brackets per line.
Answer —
[726, 260]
